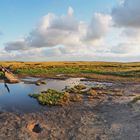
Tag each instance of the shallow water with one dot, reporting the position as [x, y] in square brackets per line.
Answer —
[17, 100]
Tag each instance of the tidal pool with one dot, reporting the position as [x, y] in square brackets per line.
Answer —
[17, 99]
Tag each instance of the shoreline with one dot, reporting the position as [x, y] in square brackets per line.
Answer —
[105, 117]
[108, 115]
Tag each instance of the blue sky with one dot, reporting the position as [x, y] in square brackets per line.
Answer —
[19, 18]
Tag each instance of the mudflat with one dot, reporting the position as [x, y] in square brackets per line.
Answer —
[112, 115]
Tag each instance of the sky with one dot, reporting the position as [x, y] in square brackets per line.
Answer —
[70, 30]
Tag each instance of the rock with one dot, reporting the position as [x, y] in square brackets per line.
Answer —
[33, 127]
[37, 128]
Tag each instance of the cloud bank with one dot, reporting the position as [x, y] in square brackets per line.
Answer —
[127, 17]
[67, 38]
[127, 14]
[65, 30]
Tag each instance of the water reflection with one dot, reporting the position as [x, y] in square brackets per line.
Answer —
[19, 101]
[6, 86]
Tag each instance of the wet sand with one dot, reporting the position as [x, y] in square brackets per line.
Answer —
[108, 117]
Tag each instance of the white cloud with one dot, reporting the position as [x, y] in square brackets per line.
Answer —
[127, 14]
[51, 31]
[131, 34]
[16, 45]
[126, 48]
[98, 27]
[70, 11]
[63, 30]
[66, 38]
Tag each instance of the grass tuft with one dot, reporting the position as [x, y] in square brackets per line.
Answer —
[53, 97]
[135, 99]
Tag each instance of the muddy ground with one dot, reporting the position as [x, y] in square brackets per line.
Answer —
[108, 117]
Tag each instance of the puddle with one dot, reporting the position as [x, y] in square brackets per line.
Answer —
[17, 99]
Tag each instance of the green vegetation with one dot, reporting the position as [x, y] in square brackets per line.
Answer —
[80, 87]
[135, 99]
[98, 87]
[1, 74]
[106, 70]
[86, 70]
[76, 89]
[51, 97]
[38, 83]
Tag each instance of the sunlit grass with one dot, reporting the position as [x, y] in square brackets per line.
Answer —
[52, 97]
[99, 68]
